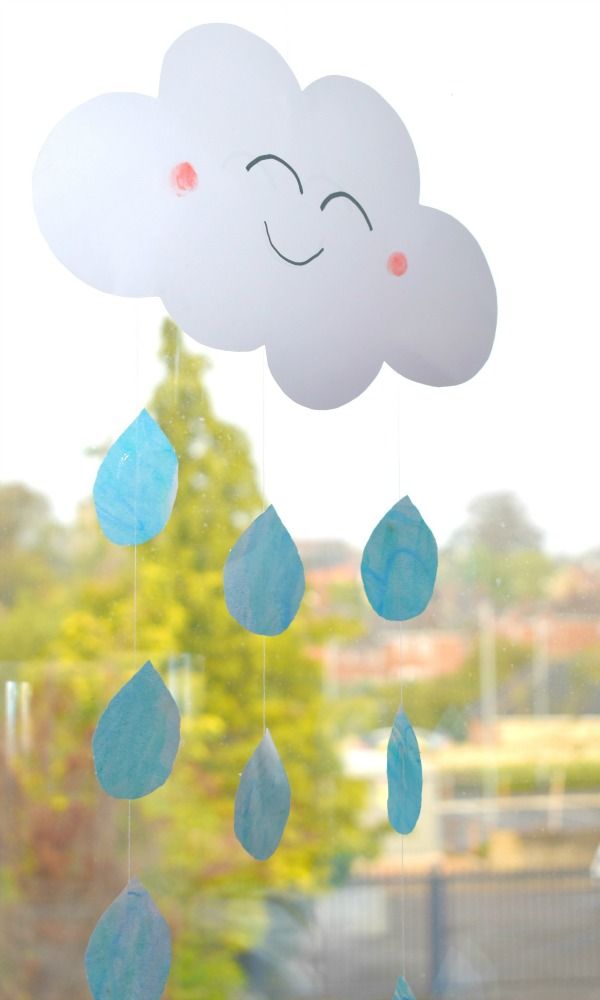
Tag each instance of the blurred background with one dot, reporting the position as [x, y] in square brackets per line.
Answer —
[500, 897]
[497, 892]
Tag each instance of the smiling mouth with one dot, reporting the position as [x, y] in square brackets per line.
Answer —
[298, 263]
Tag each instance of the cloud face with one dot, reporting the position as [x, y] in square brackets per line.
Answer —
[264, 214]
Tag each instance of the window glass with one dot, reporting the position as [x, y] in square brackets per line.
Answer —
[496, 894]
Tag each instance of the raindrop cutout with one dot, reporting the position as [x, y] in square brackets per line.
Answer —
[129, 952]
[136, 485]
[137, 737]
[264, 576]
[399, 564]
[403, 990]
[404, 775]
[262, 803]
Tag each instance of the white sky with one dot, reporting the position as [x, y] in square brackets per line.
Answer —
[501, 101]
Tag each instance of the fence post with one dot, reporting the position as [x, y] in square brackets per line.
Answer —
[437, 925]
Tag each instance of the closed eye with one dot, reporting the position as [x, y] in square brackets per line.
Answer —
[344, 194]
[272, 156]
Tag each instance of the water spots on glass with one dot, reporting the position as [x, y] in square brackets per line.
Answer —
[137, 737]
[403, 990]
[399, 564]
[184, 178]
[136, 485]
[264, 577]
[404, 775]
[263, 800]
[129, 952]
[397, 264]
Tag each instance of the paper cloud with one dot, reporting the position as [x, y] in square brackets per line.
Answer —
[264, 214]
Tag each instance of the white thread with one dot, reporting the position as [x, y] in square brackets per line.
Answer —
[403, 906]
[263, 462]
[264, 685]
[135, 605]
[129, 841]
[135, 596]
[399, 470]
[135, 501]
[401, 674]
[263, 490]
[177, 367]
[398, 445]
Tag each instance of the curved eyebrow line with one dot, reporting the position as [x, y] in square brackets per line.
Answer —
[344, 194]
[272, 156]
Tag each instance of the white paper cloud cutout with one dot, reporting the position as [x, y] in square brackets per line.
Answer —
[264, 214]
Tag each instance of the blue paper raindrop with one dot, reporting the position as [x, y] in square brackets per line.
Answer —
[129, 952]
[403, 990]
[136, 485]
[137, 737]
[262, 803]
[399, 564]
[404, 775]
[264, 577]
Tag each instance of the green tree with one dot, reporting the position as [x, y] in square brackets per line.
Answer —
[184, 849]
[33, 573]
[446, 704]
[499, 522]
[182, 608]
[496, 555]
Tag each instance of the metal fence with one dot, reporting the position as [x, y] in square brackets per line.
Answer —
[486, 936]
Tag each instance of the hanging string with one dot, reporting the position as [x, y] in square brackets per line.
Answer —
[399, 445]
[264, 684]
[134, 667]
[176, 368]
[129, 841]
[135, 595]
[264, 500]
[263, 422]
[403, 906]
[399, 475]
[401, 674]
[135, 567]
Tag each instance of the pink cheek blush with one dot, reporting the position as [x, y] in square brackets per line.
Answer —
[397, 264]
[184, 178]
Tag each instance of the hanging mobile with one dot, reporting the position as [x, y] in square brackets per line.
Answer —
[137, 737]
[358, 274]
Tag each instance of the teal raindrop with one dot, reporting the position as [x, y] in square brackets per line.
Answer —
[136, 485]
[137, 737]
[128, 956]
[403, 990]
[404, 775]
[262, 803]
[399, 564]
[264, 577]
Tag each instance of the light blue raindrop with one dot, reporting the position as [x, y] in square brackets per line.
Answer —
[264, 576]
[136, 485]
[128, 956]
[262, 803]
[403, 990]
[137, 737]
[404, 775]
[399, 564]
